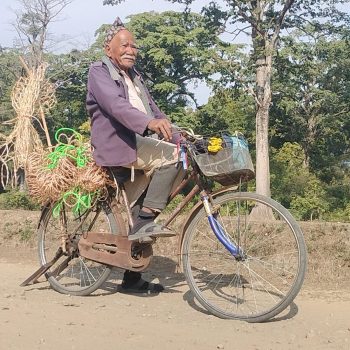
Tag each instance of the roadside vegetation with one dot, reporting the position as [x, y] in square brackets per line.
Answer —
[309, 112]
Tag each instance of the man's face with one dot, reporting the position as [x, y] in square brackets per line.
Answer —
[122, 49]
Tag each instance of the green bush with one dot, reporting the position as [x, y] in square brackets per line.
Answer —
[17, 200]
[339, 214]
[312, 204]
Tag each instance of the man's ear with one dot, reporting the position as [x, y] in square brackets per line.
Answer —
[108, 50]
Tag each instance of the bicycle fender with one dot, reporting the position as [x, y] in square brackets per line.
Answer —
[189, 218]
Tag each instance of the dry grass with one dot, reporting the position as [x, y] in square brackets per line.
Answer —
[328, 247]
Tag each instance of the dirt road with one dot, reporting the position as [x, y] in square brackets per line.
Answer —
[36, 317]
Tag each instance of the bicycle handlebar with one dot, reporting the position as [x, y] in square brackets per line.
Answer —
[188, 133]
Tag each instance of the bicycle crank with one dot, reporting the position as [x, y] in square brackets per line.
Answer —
[115, 250]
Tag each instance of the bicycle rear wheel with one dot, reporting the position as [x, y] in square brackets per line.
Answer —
[269, 274]
[72, 274]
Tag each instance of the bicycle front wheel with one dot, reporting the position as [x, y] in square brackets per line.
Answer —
[268, 274]
[71, 273]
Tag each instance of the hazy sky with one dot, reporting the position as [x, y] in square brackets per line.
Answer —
[77, 24]
[81, 18]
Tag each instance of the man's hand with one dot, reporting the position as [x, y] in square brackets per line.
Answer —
[161, 127]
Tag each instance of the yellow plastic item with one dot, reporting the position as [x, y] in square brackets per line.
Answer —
[215, 144]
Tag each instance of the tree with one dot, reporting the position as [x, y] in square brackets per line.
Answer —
[313, 80]
[228, 109]
[32, 22]
[69, 73]
[295, 186]
[32, 94]
[265, 19]
[176, 50]
[10, 71]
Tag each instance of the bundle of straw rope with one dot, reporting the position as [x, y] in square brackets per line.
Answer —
[24, 139]
[67, 173]
[31, 96]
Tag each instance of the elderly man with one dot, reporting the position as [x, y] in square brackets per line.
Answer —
[123, 115]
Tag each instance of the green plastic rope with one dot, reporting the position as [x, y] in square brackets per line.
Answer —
[72, 148]
[82, 202]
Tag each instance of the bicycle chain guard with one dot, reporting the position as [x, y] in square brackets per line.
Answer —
[115, 250]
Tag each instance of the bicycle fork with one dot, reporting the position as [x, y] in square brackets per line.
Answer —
[219, 231]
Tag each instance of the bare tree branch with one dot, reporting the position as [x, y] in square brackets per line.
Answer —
[252, 92]
[32, 22]
[288, 4]
[238, 31]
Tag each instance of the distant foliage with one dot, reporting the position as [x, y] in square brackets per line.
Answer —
[17, 200]
[294, 186]
[309, 123]
[312, 204]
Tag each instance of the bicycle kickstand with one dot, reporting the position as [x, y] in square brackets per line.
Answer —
[34, 277]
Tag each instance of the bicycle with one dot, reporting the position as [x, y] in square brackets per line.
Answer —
[238, 265]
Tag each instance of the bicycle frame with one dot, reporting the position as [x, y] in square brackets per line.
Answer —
[206, 202]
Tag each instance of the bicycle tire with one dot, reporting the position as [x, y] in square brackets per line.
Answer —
[264, 282]
[73, 274]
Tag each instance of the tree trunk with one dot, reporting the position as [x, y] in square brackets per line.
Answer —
[264, 51]
[264, 47]
[262, 152]
[263, 101]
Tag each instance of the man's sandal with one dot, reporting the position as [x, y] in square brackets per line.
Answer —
[140, 286]
[151, 229]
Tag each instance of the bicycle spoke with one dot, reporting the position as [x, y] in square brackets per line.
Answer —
[260, 282]
[264, 263]
[74, 274]
[259, 277]
[207, 236]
